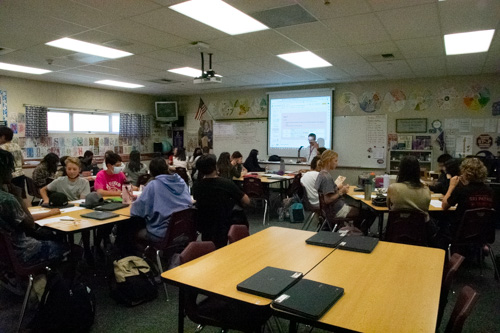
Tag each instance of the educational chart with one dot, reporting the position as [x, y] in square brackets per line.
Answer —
[242, 135]
[361, 141]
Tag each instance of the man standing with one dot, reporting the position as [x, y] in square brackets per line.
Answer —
[215, 198]
[312, 150]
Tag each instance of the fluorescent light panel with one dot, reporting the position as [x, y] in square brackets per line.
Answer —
[219, 15]
[188, 71]
[119, 84]
[305, 59]
[23, 69]
[88, 48]
[468, 42]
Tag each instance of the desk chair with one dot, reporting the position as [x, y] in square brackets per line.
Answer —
[406, 227]
[308, 207]
[181, 230]
[476, 229]
[22, 271]
[296, 188]
[183, 173]
[237, 232]
[218, 312]
[33, 191]
[337, 222]
[143, 179]
[255, 190]
[450, 269]
[466, 301]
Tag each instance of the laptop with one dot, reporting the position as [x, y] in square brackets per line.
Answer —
[358, 244]
[325, 238]
[309, 299]
[269, 282]
[99, 215]
[111, 206]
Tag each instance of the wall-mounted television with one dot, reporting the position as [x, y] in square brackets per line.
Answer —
[166, 111]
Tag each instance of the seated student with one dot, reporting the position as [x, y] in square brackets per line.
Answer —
[45, 172]
[165, 194]
[62, 170]
[308, 180]
[215, 198]
[225, 168]
[237, 163]
[134, 167]
[109, 182]
[6, 136]
[252, 162]
[19, 224]
[409, 193]
[468, 191]
[180, 161]
[442, 183]
[192, 160]
[86, 161]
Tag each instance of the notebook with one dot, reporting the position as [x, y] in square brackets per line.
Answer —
[99, 215]
[111, 206]
[308, 298]
[269, 282]
[358, 244]
[325, 238]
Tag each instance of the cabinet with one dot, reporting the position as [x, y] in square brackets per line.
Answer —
[423, 156]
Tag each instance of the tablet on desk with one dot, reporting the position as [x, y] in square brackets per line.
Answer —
[99, 215]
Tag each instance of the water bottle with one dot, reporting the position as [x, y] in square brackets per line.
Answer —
[282, 167]
[386, 181]
[369, 186]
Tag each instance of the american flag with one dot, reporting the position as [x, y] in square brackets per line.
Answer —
[202, 108]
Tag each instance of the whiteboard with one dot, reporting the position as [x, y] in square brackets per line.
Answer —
[361, 141]
[242, 135]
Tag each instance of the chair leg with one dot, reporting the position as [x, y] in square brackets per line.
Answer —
[495, 267]
[309, 220]
[160, 268]
[265, 212]
[25, 302]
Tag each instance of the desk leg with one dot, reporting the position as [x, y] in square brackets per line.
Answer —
[380, 225]
[293, 327]
[180, 316]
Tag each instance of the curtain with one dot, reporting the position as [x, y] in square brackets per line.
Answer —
[135, 125]
[36, 122]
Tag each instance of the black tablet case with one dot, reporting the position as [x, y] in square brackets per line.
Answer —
[308, 298]
[99, 215]
[358, 244]
[325, 238]
[111, 206]
[269, 282]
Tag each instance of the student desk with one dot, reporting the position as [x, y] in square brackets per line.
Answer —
[219, 272]
[268, 179]
[359, 196]
[395, 288]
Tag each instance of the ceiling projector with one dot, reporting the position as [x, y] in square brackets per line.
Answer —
[208, 76]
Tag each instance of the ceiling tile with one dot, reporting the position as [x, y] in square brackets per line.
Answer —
[312, 36]
[428, 67]
[340, 56]
[124, 8]
[466, 15]
[271, 41]
[360, 69]
[396, 68]
[492, 63]
[421, 47]
[411, 22]
[335, 8]
[464, 64]
[235, 47]
[99, 37]
[375, 49]
[359, 29]
[379, 5]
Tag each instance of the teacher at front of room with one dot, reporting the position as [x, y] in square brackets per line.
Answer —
[310, 152]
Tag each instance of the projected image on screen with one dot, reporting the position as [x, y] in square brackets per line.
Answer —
[291, 119]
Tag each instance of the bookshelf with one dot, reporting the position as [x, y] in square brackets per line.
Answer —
[395, 155]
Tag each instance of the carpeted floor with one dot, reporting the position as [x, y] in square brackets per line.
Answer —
[161, 316]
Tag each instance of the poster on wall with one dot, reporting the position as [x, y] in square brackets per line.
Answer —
[178, 138]
[3, 103]
[206, 134]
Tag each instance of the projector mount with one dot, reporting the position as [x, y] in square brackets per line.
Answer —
[208, 76]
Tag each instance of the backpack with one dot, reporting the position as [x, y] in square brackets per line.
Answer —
[67, 305]
[296, 212]
[135, 283]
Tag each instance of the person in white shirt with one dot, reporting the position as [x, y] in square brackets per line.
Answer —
[310, 152]
[308, 180]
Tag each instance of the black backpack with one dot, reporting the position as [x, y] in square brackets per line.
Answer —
[67, 305]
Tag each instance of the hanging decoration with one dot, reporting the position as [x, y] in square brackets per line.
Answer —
[420, 100]
[370, 102]
[446, 98]
[476, 97]
[349, 100]
[395, 100]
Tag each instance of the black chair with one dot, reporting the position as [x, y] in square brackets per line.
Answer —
[22, 271]
[331, 223]
[450, 269]
[476, 230]
[255, 190]
[407, 227]
[213, 311]
[143, 179]
[466, 301]
[296, 189]
[181, 230]
[308, 207]
[33, 191]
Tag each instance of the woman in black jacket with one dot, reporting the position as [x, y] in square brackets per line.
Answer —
[252, 163]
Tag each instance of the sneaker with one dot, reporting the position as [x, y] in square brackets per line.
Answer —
[10, 283]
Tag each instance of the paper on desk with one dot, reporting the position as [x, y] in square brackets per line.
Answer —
[362, 196]
[71, 209]
[36, 210]
[78, 201]
[436, 203]
[47, 221]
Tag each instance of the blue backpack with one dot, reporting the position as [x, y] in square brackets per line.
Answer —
[296, 212]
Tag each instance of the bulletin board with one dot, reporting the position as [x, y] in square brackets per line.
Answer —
[361, 141]
[241, 135]
[468, 136]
